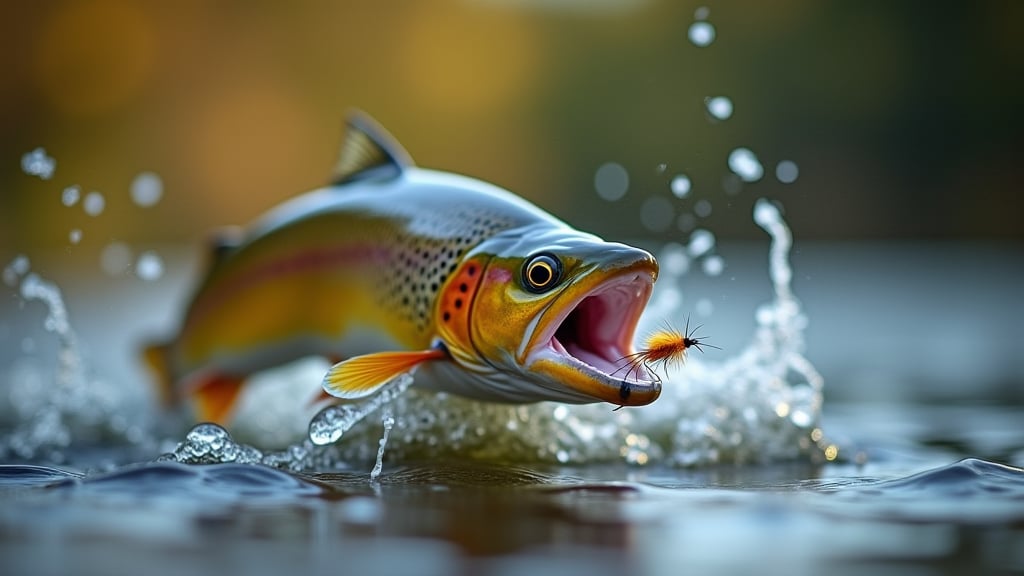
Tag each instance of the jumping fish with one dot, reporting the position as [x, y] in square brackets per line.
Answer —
[394, 267]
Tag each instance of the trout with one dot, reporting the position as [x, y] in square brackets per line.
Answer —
[394, 267]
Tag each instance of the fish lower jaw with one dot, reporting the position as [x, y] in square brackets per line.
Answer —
[593, 376]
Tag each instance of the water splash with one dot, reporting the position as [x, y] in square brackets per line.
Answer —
[745, 164]
[389, 422]
[38, 163]
[332, 422]
[65, 408]
[69, 197]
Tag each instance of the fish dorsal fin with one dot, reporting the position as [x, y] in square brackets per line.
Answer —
[368, 150]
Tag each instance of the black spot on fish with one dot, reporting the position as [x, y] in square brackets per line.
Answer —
[458, 303]
[625, 390]
[447, 316]
[463, 288]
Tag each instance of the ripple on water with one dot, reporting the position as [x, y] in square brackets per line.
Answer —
[228, 481]
[26, 475]
[968, 477]
[969, 491]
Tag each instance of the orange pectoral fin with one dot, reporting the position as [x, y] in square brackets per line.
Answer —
[215, 396]
[363, 375]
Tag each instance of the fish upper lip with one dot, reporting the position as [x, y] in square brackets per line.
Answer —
[594, 331]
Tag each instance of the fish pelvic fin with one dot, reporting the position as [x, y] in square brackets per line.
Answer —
[368, 150]
[215, 397]
[363, 375]
[157, 358]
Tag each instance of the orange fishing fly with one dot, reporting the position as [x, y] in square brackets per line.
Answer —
[665, 347]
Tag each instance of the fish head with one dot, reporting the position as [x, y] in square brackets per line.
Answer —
[551, 312]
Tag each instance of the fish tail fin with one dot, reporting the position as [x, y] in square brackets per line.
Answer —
[215, 396]
[157, 357]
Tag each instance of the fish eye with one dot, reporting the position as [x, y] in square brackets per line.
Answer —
[541, 273]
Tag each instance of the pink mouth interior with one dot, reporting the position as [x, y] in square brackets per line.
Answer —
[599, 330]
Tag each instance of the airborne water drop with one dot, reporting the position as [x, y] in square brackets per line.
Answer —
[719, 107]
[745, 164]
[680, 185]
[94, 203]
[149, 266]
[701, 34]
[147, 189]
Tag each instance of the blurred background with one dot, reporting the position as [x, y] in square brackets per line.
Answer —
[897, 125]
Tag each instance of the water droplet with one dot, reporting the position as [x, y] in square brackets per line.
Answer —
[75, 236]
[94, 203]
[702, 208]
[745, 164]
[787, 171]
[611, 181]
[657, 213]
[38, 163]
[147, 189]
[766, 214]
[701, 242]
[149, 266]
[116, 258]
[661, 168]
[16, 269]
[680, 185]
[701, 13]
[719, 107]
[70, 195]
[701, 34]
[713, 265]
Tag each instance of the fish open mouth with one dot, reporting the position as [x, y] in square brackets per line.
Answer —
[586, 344]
